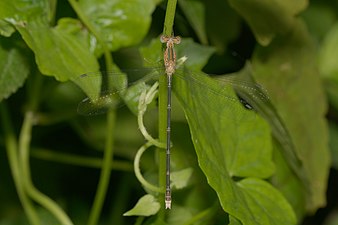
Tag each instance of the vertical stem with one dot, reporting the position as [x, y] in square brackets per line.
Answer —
[24, 154]
[13, 158]
[163, 92]
[169, 17]
[35, 194]
[109, 151]
[105, 172]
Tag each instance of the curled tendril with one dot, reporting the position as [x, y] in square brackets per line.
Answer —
[145, 99]
[138, 173]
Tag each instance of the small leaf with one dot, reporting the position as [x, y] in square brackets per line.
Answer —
[262, 197]
[14, 69]
[181, 178]
[146, 206]
[6, 29]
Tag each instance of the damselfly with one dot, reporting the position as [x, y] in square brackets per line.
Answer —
[114, 84]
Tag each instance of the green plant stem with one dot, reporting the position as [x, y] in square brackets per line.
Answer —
[24, 153]
[167, 30]
[105, 172]
[11, 148]
[43, 200]
[77, 160]
[169, 17]
[108, 153]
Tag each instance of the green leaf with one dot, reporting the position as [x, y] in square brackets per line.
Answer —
[60, 53]
[121, 23]
[288, 70]
[269, 18]
[258, 98]
[198, 55]
[14, 68]
[146, 206]
[232, 142]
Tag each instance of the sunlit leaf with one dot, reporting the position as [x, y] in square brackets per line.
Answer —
[121, 23]
[18, 11]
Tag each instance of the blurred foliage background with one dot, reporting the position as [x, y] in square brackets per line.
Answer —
[53, 167]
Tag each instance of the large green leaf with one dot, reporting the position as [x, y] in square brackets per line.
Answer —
[14, 68]
[268, 18]
[58, 51]
[62, 51]
[288, 70]
[231, 143]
